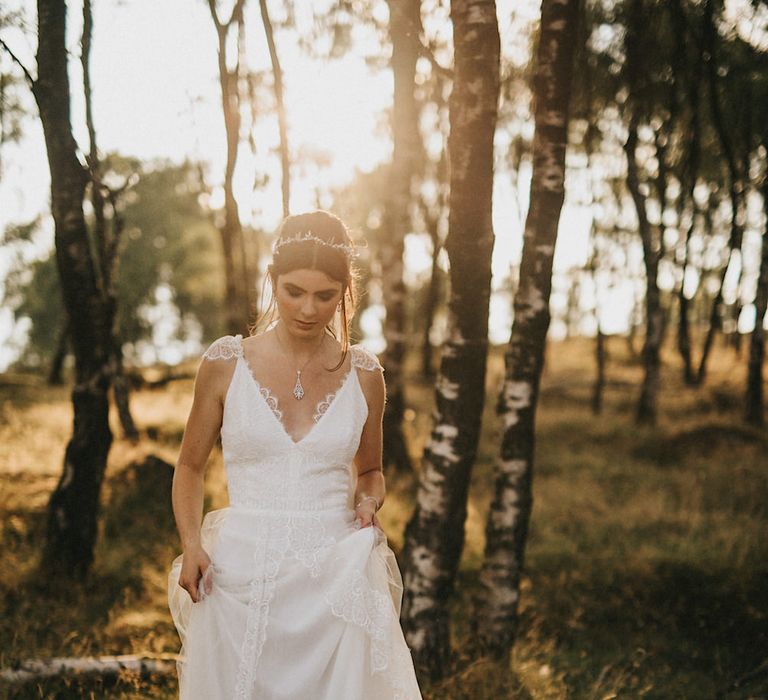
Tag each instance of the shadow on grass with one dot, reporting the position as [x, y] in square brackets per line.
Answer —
[643, 633]
[698, 441]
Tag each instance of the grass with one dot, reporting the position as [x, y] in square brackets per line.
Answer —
[646, 564]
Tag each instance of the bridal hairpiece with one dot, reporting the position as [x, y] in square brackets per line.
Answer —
[348, 250]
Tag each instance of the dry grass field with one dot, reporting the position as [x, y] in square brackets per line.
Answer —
[646, 569]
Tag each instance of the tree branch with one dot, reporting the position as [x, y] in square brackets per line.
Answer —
[237, 12]
[214, 13]
[18, 62]
[100, 666]
[426, 51]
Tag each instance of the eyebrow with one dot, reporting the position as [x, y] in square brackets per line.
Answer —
[320, 291]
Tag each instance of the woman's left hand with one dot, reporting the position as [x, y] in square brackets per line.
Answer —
[365, 514]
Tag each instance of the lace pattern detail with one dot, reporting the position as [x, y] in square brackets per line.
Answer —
[225, 348]
[303, 537]
[365, 359]
[324, 404]
[310, 544]
[268, 555]
[356, 602]
[271, 400]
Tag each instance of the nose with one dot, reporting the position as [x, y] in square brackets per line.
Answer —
[308, 308]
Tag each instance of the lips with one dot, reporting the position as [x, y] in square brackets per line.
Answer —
[302, 324]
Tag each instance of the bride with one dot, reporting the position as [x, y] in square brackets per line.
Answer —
[292, 590]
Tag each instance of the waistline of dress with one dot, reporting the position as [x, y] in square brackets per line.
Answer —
[290, 510]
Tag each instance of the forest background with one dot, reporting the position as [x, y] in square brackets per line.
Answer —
[640, 571]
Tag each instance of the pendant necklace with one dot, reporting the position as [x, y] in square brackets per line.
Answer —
[298, 389]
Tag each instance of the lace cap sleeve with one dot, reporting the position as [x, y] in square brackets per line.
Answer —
[364, 358]
[225, 348]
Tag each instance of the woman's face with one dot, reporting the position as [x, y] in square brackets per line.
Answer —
[306, 300]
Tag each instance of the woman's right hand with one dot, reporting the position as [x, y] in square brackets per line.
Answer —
[195, 566]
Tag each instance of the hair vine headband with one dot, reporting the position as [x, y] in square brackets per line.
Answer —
[348, 250]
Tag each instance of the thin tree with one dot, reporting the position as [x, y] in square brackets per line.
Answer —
[735, 176]
[106, 238]
[238, 287]
[434, 536]
[404, 32]
[506, 530]
[754, 396]
[277, 81]
[73, 507]
[650, 235]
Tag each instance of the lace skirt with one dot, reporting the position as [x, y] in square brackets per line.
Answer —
[303, 607]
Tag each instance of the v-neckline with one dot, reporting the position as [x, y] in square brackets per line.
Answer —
[266, 395]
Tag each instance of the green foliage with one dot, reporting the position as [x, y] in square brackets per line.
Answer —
[168, 244]
[170, 241]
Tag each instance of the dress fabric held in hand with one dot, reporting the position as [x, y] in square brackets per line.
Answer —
[303, 606]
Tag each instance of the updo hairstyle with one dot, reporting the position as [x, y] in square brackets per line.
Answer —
[312, 255]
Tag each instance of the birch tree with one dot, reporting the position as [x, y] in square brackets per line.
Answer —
[434, 535]
[507, 525]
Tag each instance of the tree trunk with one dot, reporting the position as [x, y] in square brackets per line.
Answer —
[506, 531]
[434, 536]
[652, 239]
[102, 667]
[107, 243]
[404, 28]
[277, 75]
[754, 398]
[647, 408]
[690, 169]
[238, 287]
[73, 508]
[735, 186]
[600, 358]
[683, 321]
[432, 222]
[57, 363]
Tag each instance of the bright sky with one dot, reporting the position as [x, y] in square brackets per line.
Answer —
[154, 75]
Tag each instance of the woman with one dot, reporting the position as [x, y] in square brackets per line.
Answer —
[292, 591]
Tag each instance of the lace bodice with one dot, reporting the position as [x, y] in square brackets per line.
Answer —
[231, 347]
[266, 465]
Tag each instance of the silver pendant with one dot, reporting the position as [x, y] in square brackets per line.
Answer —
[298, 390]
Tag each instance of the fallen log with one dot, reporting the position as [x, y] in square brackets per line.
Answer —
[99, 666]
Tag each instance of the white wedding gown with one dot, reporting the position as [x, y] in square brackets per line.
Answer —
[303, 606]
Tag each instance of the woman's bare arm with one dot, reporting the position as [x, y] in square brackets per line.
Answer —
[202, 429]
[368, 460]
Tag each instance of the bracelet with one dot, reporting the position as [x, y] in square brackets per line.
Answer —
[373, 498]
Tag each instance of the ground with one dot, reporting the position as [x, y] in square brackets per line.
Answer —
[645, 569]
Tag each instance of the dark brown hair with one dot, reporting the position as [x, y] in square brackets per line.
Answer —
[312, 255]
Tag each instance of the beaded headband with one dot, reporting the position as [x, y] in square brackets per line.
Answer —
[348, 250]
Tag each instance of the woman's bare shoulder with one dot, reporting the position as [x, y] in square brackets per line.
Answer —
[370, 372]
[228, 347]
[366, 359]
[217, 366]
